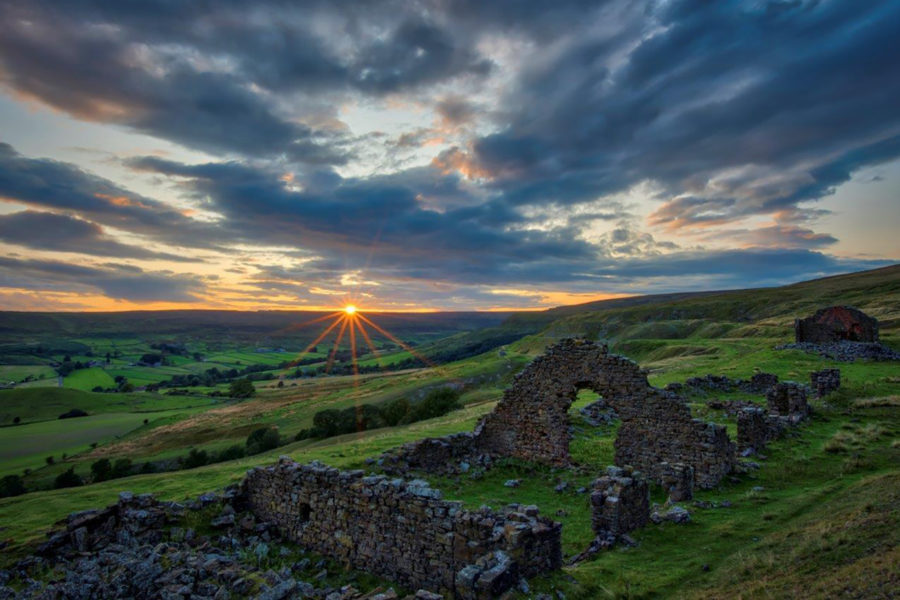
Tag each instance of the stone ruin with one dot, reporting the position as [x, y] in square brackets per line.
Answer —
[620, 502]
[788, 400]
[825, 381]
[759, 383]
[531, 421]
[786, 407]
[677, 480]
[403, 530]
[836, 324]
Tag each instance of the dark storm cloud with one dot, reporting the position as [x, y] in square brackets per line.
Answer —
[381, 214]
[60, 186]
[120, 282]
[728, 110]
[796, 98]
[61, 233]
[207, 76]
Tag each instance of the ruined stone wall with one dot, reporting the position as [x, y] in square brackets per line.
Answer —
[788, 400]
[678, 481]
[753, 431]
[531, 421]
[447, 455]
[825, 381]
[401, 530]
[834, 324]
[620, 502]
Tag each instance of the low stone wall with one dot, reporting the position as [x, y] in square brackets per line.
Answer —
[403, 530]
[825, 381]
[445, 456]
[759, 383]
[620, 501]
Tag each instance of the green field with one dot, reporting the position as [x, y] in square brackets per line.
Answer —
[43, 404]
[26, 446]
[87, 379]
[17, 373]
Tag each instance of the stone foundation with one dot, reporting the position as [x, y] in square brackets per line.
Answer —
[403, 530]
[825, 381]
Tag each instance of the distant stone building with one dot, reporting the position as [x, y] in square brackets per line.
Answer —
[835, 324]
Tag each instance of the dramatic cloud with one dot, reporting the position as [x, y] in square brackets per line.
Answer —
[458, 153]
[60, 233]
[119, 282]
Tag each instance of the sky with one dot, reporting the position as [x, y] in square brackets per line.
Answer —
[440, 154]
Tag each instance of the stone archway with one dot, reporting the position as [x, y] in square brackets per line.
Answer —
[531, 421]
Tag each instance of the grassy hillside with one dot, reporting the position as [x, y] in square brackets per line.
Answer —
[819, 518]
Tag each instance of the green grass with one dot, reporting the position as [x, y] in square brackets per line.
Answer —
[88, 379]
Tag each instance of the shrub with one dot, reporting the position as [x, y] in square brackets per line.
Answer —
[394, 411]
[121, 468]
[327, 423]
[11, 485]
[435, 404]
[195, 458]
[231, 453]
[49, 460]
[67, 479]
[75, 412]
[262, 439]
[17, 420]
[101, 470]
[241, 388]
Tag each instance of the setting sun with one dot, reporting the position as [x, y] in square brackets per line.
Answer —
[350, 309]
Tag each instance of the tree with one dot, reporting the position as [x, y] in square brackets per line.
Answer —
[231, 453]
[101, 470]
[436, 403]
[394, 411]
[49, 460]
[195, 458]
[11, 485]
[262, 439]
[327, 423]
[67, 479]
[121, 468]
[241, 388]
[17, 420]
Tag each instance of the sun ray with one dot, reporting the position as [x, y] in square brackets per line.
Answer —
[353, 346]
[368, 340]
[337, 342]
[296, 326]
[397, 340]
[316, 341]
